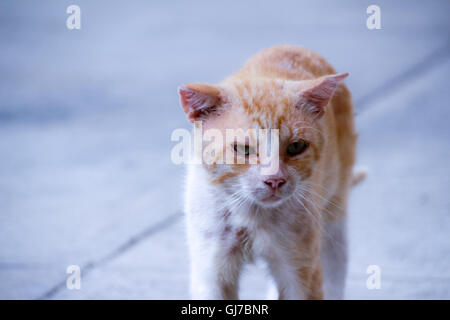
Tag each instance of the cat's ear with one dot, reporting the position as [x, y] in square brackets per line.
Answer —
[199, 100]
[314, 99]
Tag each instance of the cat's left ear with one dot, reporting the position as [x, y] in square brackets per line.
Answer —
[314, 99]
[199, 100]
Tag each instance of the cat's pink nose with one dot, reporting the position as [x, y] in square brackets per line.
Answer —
[275, 183]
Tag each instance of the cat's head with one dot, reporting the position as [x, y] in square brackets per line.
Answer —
[294, 108]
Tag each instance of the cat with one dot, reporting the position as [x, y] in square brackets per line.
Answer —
[293, 219]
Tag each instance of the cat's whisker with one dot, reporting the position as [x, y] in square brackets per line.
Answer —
[310, 188]
[235, 201]
[323, 198]
[322, 229]
[320, 225]
[324, 207]
[229, 201]
[303, 200]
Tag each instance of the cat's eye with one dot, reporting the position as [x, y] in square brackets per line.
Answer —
[297, 147]
[244, 150]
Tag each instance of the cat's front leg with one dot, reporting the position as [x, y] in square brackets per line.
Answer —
[298, 284]
[288, 285]
[214, 271]
[296, 269]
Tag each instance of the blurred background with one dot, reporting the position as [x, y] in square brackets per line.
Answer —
[86, 117]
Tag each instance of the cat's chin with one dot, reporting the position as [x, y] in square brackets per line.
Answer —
[271, 201]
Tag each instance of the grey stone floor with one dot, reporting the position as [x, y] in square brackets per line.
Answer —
[86, 118]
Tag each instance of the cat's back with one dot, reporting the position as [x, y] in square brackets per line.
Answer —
[286, 62]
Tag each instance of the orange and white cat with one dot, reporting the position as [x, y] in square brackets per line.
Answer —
[295, 218]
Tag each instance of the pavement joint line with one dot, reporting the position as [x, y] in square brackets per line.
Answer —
[430, 61]
[122, 248]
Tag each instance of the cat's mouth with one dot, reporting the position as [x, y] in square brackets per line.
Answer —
[271, 199]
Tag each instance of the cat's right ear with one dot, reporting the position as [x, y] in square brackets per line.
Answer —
[199, 100]
[314, 100]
